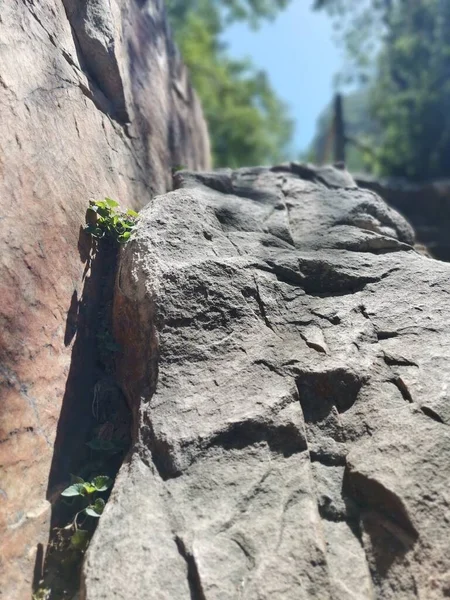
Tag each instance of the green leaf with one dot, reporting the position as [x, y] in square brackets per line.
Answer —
[80, 539]
[99, 505]
[96, 509]
[76, 479]
[102, 483]
[125, 237]
[77, 489]
[89, 488]
[101, 203]
[110, 221]
[98, 233]
[95, 231]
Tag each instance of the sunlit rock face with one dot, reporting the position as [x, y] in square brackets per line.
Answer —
[286, 360]
[94, 102]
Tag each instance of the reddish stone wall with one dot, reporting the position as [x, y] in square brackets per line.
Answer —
[84, 113]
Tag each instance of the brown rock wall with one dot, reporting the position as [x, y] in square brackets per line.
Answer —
[104, 114]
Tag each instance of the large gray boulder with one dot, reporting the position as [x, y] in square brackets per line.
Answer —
[286, 360]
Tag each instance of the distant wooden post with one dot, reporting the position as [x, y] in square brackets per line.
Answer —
[339, 130]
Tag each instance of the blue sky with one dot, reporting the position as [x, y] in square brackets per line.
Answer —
[298, 53]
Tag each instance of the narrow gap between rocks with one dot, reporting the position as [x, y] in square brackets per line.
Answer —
[94, 428]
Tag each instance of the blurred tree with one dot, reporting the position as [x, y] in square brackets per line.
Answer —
[227, 11]
[248, 123]
[411, 95]
[360, 25]
[410, 80]
[359, 125]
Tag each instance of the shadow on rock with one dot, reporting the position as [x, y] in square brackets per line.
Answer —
[93, 433]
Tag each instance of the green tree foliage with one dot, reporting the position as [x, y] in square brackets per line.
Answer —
[410, 80]
[225, 11]
[411, 98]
[248, 123]
[359, 25]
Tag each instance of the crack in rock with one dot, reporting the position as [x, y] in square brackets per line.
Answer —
[194, 581]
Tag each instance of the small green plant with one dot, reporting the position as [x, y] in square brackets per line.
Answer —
[42, 593]
[92, 507]
[107, 220]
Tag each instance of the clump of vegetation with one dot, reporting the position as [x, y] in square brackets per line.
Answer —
[82, 506]
[92, 506]
[42, 593]
[107, 220]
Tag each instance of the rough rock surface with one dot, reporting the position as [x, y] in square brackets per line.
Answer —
[94, 102]
[287, 363]
[425, 205]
